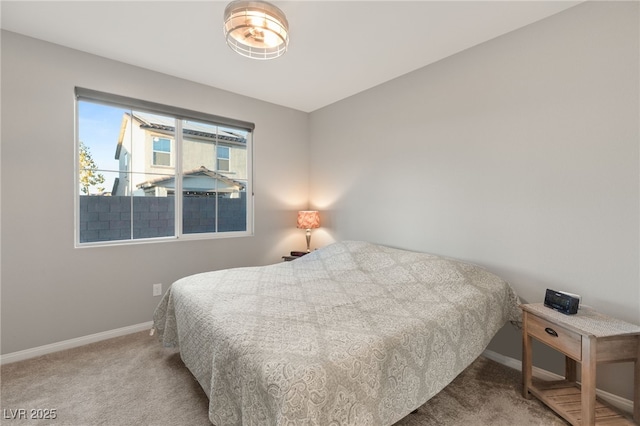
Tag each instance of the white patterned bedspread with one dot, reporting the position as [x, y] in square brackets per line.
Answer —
[350, 334]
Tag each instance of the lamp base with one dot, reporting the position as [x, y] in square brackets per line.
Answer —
[308, 240]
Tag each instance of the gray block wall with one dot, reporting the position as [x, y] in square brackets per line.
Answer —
[112, 218]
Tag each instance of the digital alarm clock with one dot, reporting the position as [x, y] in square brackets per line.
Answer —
[561, 302]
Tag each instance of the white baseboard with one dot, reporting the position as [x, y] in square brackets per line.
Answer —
[73, 343]
[623, 404]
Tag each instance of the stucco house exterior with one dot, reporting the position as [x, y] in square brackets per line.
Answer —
[214, 159]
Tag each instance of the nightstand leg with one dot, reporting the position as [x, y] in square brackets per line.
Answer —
[570, 369]
[526, 358]
[588, 380]
[636, 385]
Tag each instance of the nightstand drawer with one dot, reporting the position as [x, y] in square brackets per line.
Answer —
[558, 337]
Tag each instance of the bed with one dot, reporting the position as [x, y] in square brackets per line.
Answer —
[354, 333]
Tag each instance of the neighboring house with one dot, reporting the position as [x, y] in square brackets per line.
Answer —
[200, 182]
[214, 159]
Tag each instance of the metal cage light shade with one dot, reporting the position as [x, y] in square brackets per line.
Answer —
[256, 29]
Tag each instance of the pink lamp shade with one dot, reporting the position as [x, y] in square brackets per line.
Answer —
[308, 219]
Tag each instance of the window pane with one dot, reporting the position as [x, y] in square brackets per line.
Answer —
[213, 212]
[223, 158]
[150, 140]
[223, 165]
[161, 144]
[153, 201]
[199, 144]
[161, 151]
[104, 218]
[98, 132]
[161, 159]
[214, 193]
[232, 146]
[223, 152]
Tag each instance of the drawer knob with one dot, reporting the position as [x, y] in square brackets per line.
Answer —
[551, 331]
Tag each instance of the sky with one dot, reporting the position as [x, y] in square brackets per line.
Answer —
[98, 129]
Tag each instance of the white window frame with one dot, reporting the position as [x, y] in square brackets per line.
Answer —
[82, 94]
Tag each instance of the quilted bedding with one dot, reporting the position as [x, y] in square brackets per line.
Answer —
[350, 334]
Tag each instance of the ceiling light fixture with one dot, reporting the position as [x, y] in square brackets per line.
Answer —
[256, 29]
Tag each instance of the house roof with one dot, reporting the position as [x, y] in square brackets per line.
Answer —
[167, 124]
[201, 171]
[159, 122]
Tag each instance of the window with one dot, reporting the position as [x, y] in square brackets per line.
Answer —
[223, 158]
[150, 172]
[161, 151]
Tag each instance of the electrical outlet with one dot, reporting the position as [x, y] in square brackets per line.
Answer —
[157, 289]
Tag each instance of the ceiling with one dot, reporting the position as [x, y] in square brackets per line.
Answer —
[337, 48]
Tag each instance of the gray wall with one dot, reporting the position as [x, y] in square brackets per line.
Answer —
[520, 154]
[51, 291]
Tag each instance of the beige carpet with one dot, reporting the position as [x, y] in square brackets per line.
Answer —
[133, 380]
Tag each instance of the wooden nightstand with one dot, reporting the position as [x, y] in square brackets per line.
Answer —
[588, 338]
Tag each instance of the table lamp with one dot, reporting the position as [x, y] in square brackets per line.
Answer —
[308, 219]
